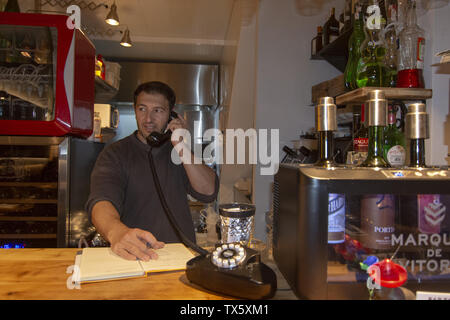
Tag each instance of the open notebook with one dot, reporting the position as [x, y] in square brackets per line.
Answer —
[100, 264]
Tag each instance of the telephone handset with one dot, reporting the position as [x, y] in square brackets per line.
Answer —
[156, 139]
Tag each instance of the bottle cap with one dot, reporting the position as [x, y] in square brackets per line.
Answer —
[377, 108]
[326, 115]
[417, 122]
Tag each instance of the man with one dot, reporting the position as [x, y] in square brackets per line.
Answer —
[124, 205]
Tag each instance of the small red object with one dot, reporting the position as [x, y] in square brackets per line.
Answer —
[391, 275]
[410, 78]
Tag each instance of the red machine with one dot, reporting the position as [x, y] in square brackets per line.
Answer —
[46, 76]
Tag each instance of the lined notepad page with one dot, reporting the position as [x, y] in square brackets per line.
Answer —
[173, 256]
[102, 263]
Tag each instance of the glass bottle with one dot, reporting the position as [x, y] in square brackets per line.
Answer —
[390, 36]
[394, 143]
[354, 49]
[371, 69]
[12, 6]
[411, 51]
[316, 42]
[377, 120]
[330, 28]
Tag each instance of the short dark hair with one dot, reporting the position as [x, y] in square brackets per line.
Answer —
[156, 87]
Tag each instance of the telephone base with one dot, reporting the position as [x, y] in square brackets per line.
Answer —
[251, 279]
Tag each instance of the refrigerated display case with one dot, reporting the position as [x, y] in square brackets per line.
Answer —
[330, 225]
[44, 184]
[46, 76]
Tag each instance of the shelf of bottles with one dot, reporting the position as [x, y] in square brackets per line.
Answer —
[28, 196]
[27, 72]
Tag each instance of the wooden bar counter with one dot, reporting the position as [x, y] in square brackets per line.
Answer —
[41, 274]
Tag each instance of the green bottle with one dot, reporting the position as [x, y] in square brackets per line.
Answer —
[354, 53]
[377, 121]
[394, 142]
[371, 69]
[12, 6]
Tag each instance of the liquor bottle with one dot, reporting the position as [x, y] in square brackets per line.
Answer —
[348, 19]
[411, 51]
[354, 49]
[417, 130]
[330, 28]
[371, 69]
[341, 23]
[316, 42]
[325, 118]
[361, 140]
[377, 221]
[12, 6]
[377, 120]
[336, 218]
[97, 127]
[390, 36]
[394, 142]
[431, 213]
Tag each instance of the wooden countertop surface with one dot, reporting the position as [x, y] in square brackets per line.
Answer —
[41, 274]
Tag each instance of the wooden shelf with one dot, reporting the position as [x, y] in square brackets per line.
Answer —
[104, 92]
[25, 218]
[359, 96]
[47, 185]
[28, 236]
[29, 201]
[336, 52]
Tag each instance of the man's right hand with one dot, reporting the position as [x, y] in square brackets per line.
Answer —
[133, 244]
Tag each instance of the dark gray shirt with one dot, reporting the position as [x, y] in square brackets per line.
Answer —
[122, 176]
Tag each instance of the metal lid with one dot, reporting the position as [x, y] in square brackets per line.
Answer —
[237, 210]
[326, 115]
[377, 108]
[417, 122]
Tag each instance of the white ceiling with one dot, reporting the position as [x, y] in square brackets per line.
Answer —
[169, 30]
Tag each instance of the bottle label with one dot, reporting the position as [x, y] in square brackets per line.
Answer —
[374, 18]
[336, 218]
[378, 220]
[431, 213]
[396, 156]
[420, 52]
[361, 144]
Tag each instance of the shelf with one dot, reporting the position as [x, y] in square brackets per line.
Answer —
[359, 96]
[336, 52]
[29, 201]
[28, 236]
[104, 92]
[25, 218]
[47, 185]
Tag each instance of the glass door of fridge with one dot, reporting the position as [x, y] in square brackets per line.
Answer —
[27, 72]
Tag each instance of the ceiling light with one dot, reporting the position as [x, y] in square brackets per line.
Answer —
[126, 40]
[112, 18]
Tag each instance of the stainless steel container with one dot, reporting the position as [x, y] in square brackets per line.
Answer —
[237, 222]
[326, 115]
[417, 122]
[377, 109]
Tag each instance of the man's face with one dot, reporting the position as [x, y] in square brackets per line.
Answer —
[152, 113]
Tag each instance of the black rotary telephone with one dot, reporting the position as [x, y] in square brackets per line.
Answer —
[156, 139]
[232, 268]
